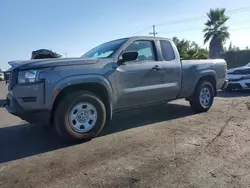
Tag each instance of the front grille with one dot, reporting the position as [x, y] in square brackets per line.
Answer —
[235, 80]
[29, 99]
[12, 79]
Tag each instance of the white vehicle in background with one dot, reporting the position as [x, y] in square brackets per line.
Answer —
[239, 78]
[1, 76]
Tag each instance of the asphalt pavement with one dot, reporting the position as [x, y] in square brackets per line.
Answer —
[159, 146]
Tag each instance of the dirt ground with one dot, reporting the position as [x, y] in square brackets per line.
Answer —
[160, 146]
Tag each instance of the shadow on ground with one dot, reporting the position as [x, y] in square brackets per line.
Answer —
[233, 94]
[26, 140]
[146, 116]
[2, 102]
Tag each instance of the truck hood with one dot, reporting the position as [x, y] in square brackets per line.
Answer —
[239, 71]
[42, 63]
[247, 66]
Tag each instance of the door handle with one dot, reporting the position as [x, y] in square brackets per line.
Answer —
[156, 67]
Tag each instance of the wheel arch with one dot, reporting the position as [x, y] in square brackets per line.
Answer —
[210, 76]
[95, 84]
[211, 79]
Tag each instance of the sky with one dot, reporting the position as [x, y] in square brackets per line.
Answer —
[76, 26]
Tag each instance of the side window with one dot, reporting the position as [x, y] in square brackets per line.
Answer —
[144, 48]
[167, 50]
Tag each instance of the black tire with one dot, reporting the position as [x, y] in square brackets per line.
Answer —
[196, 103]
[62, 122]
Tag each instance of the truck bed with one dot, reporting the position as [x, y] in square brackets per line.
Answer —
[192, 70]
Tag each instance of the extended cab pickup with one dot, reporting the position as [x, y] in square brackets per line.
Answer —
[79, 95]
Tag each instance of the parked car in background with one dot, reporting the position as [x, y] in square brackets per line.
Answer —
[1, 76]
[78, 95]
[239, 78]
[7, 75]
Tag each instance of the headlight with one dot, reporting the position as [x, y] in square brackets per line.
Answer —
[27, 76]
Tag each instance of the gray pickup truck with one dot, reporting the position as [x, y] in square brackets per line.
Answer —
[78, 96]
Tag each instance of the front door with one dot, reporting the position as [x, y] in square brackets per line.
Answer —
[141, 81]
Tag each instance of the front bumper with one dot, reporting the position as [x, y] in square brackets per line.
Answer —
[32, 116]
[13, 107]
[225, 85]
[239, 85]
[238, 81]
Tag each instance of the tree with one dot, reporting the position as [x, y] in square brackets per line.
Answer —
[182, 46]
[230, 48]
[189, 49]
[201, 54]
[194, 45]
[216, 32]
[235, 48]
[225, 49]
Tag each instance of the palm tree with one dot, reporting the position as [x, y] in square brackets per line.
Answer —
[216, 32]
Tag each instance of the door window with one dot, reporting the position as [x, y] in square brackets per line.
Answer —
[167, 50]
[145, 50]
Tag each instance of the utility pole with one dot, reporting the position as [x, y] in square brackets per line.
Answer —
[153, 33]
[66, 55]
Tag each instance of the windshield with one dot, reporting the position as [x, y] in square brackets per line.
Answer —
[105, 50]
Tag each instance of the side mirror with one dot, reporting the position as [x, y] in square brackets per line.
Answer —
[128, 56]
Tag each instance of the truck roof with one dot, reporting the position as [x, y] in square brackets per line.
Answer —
[142, 38]
[148, 37]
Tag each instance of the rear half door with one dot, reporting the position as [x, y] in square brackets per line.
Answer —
[172, 69]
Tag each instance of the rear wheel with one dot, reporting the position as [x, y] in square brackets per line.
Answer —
[203, 97]
[79, 116]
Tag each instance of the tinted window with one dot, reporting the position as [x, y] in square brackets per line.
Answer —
[144, 48]
[167, 50]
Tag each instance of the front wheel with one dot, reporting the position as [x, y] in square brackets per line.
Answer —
[79, 116]
[203, 97]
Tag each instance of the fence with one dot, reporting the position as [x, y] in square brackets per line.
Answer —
[237, 58]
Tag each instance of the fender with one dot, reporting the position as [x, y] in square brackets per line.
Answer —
[200, 74]
[207, 73]
[81, 79]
